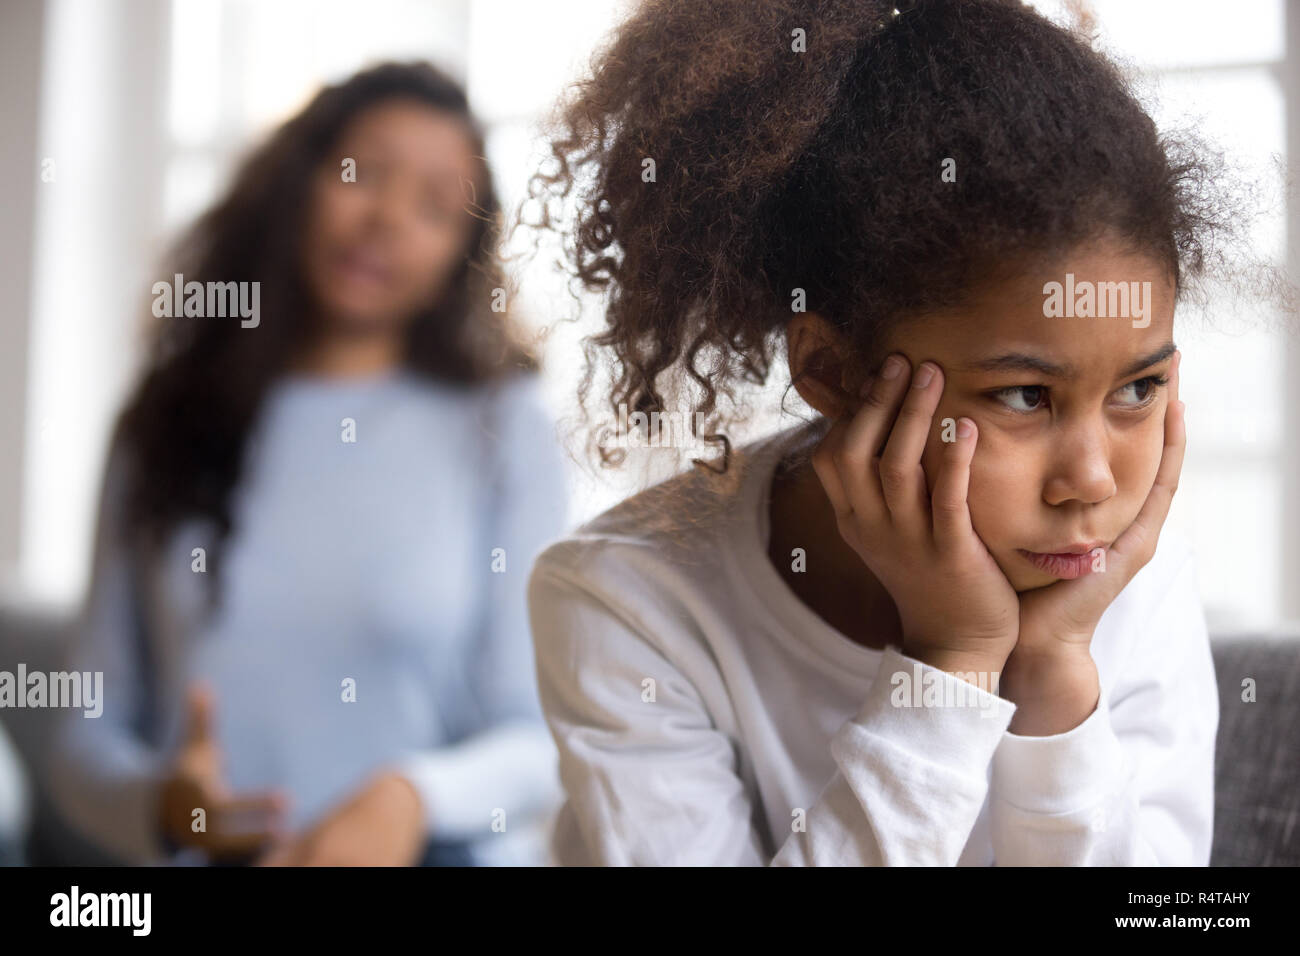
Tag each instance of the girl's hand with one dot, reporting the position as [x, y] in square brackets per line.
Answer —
[1063, 616]
[958, 610]
[381, 825]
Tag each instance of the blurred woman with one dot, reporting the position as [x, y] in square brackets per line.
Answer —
[318, 515]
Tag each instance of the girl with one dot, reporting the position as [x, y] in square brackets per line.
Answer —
[307, 655]
[932, 625]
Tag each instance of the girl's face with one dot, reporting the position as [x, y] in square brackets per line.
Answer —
[1070, 415]
[378, 249]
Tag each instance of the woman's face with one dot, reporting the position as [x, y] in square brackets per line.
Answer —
[1071, 423]
[379, 248]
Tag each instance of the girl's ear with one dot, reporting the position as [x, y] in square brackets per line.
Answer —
[821, 366]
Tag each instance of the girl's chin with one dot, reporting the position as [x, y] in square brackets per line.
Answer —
[1046, 582]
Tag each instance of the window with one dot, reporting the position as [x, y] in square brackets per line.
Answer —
[149, 104]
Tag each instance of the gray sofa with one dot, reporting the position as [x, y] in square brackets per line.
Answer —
[1257, 759]
[38, 639]
[1257, 767]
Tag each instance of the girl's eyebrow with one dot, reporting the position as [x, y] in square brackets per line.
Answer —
[1024, 362]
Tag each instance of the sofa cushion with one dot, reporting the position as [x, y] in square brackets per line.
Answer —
[1257, 760]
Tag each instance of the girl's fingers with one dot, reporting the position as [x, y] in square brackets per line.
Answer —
[902, 480]
[1137, 544]
[864, 435]
[824, 464]
[870, 427]
[948, 506]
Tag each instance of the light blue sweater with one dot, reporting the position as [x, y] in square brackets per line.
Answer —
[365, 564]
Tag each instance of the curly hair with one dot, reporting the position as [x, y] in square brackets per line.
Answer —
[725, 154]
[185, 427]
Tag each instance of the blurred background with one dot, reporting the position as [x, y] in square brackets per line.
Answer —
[124, 118]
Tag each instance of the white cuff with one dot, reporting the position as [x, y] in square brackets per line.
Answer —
[1061, 772]
[929, 712]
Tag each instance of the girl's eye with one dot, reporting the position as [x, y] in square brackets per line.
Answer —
[1022, 398]
[1030, 398]
[1142, 391]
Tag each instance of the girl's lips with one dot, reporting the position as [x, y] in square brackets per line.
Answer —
[1065, 566]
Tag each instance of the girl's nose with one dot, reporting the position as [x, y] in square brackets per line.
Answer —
[1081, 467]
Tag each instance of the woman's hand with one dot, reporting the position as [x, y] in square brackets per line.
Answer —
[231, 826]
[958, 610]
[381, 825]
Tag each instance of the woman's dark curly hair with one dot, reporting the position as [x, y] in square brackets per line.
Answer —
[184, 429]
[799, 144]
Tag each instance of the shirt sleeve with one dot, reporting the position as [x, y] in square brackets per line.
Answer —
[505, 763]
[104, 776]
[655, 782]
[1133, 785]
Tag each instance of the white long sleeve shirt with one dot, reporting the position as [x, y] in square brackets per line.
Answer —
[705, 715]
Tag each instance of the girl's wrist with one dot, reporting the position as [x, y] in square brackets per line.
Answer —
[1054, 690]
[958, 663]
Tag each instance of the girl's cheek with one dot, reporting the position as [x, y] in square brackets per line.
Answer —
[1135, 469]
[1001, 487]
